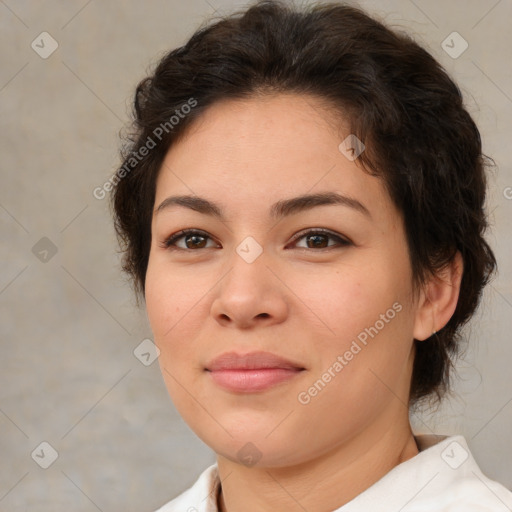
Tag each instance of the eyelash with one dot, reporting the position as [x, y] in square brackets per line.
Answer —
[169, 243]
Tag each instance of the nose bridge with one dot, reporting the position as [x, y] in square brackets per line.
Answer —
[249, 250]
[249, 290]
[248, 266]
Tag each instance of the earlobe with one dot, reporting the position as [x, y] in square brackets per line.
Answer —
[438, 299]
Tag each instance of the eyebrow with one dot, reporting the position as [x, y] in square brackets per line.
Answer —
[278, 210]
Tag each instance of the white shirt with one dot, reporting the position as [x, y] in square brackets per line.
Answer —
[442, 477]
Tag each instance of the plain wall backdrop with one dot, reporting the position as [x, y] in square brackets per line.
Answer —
[69, 376]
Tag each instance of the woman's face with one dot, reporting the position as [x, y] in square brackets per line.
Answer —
[325, 285]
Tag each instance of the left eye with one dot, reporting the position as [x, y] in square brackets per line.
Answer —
[315, 239]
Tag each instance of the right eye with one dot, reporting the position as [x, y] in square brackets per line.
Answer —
[193, 239]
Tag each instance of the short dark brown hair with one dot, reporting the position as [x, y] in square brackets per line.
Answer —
[419, 137]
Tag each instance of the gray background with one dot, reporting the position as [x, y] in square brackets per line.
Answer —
[69, 324]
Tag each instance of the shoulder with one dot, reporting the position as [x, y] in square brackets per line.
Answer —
[201, 497]
[454, 481]
[443, 477]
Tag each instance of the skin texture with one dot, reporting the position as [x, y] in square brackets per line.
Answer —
[296, 300]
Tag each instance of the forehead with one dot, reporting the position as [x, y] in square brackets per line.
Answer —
[245, 153]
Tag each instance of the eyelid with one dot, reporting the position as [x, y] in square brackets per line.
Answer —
[168, 242]
[343, 241]
[313, 231]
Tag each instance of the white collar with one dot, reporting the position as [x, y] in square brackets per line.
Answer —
[443, 476]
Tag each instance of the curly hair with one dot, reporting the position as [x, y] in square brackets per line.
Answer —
[420, 139]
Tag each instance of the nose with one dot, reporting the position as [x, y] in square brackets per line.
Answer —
[250, 294]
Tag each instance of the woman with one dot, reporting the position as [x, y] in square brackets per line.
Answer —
[301, 208]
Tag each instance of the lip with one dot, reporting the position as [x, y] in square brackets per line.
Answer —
[251, 361]
[252, 372]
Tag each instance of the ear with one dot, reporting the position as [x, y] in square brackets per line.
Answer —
[438, 299]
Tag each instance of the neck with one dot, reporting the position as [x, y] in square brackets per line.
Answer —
[323, 484]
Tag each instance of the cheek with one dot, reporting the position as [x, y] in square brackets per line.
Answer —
[362, 312]
[375, 341]
[170, 299]
[178, 304]
[173, 305]
[346, 300]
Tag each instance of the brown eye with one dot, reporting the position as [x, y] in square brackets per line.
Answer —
[195, 241]
[192, 240]
[319, 239]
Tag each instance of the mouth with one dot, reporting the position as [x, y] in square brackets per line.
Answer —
[253, 372]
